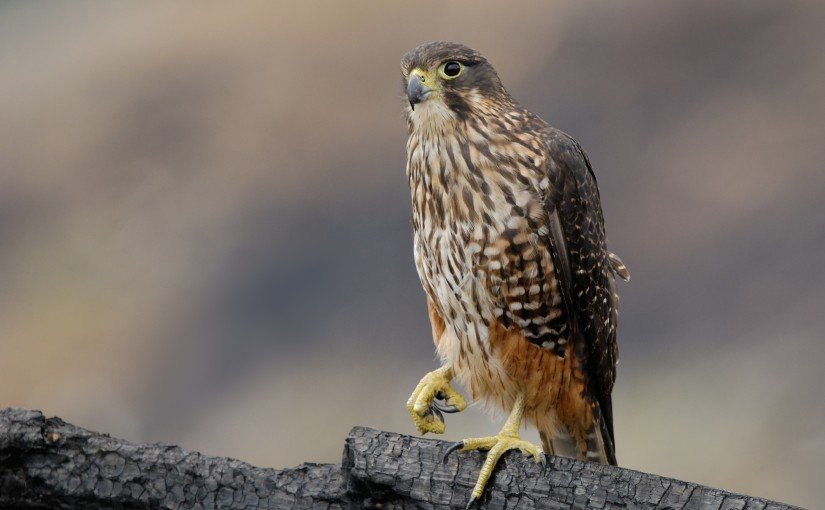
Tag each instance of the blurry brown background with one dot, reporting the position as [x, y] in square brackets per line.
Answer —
[204, 220]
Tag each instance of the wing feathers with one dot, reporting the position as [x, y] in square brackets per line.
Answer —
[587, 271]
[618, 267]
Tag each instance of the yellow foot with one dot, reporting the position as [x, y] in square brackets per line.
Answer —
[424, 406]
[496, 445]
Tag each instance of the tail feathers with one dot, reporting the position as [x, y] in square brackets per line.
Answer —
[602, 429]
[561, 444]
[596, 445]
[599, 446]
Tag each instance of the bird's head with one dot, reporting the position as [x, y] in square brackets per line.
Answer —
[449, 79]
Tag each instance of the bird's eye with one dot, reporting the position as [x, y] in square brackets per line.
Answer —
[451, 70]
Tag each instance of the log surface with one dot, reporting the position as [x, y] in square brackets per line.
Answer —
[48, 463]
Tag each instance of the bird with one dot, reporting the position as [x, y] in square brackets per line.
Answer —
[510, 248]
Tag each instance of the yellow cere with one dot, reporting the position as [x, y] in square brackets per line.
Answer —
[427, 78]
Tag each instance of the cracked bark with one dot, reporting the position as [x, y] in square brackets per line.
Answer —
[48, 463]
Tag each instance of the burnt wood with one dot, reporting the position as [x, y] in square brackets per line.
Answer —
[48, 463]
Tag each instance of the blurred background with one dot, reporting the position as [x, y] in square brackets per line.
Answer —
[205, 236]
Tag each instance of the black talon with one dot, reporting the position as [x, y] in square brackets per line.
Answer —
[453, 447]
[543, 460]
[432, 411]
[444, 408]
[470, 503]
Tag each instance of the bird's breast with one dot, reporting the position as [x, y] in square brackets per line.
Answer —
[481, 253]
[455, 219]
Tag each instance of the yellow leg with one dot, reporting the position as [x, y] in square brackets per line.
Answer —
[507, 439]
[423, 407]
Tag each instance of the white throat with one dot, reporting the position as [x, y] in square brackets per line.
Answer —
[432, 117]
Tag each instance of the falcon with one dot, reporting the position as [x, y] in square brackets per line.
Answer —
[509, 245]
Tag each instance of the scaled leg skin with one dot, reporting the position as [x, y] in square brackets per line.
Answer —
[424, 406]
[507, 439]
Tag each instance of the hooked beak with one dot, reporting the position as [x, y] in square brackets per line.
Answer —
[416, 90]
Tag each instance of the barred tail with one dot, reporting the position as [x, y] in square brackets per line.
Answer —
[596, 444]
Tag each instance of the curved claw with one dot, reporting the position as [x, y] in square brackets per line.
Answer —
[453, 447]
[437, 412]
[432, 397]
[543, 460]
[444, 408]
[470, 503]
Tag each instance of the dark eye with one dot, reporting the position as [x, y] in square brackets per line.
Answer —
[451, 70]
